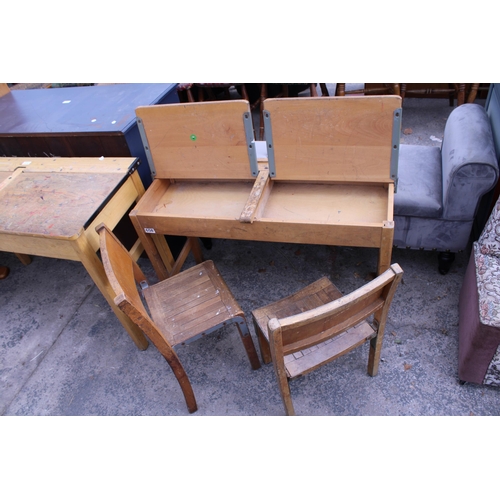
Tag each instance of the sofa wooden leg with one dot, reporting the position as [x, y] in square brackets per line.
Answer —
[445, 260]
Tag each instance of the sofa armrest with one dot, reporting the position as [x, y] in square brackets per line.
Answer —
[469, 161]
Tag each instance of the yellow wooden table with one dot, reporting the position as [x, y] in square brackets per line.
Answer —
[329, 179]
[51, 206]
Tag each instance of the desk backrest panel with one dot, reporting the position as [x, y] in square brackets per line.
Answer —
[336, 139]
[197, 140]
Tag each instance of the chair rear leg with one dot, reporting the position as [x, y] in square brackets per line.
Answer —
[374, 356]
[376, 342]
[246, 338]
[284, 386]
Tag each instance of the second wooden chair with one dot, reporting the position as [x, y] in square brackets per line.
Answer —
[317, 325]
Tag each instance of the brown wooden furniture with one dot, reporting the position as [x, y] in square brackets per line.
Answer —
[328, 180]
[317, 325]
[90, 121]
[50, 207]
[450, 90]
[370, 89]
[183, 307]
[479, 90]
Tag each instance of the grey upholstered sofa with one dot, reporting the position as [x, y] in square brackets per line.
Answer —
[439, 189]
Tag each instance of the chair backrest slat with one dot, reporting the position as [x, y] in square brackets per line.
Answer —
[307, 329]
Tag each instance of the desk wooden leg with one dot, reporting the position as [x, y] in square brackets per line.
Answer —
[161, 262]
[24, 259]
[96, 270]
[385, 251]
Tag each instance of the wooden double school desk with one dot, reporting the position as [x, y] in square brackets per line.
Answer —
[328, 179]
[50, 207]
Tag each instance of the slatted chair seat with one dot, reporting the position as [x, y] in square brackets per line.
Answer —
[192, 303]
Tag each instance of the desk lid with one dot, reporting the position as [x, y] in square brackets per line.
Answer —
[334, 139]
[205, 140]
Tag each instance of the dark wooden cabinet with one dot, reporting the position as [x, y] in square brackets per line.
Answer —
[91, 121]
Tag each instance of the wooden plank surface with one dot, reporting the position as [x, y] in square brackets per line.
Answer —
[258, 197]
[327, 203]
[76, 165]
[333, 138]
[288, 202]
[204, 200]
[197, 141]
[309, 359]
[56, 197]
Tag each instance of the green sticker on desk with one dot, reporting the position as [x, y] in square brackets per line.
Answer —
[193, 137]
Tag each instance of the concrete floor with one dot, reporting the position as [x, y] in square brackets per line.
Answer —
[63, 352]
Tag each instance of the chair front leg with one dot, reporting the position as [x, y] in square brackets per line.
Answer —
[263, 344]
[280, 370]
[246, 338]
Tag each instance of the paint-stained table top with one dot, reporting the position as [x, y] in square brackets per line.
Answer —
[56, 197]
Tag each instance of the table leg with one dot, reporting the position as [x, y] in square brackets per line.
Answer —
[385, 251]
[23, 258]
[158, 260]
[96, 270]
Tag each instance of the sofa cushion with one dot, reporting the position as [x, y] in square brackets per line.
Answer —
[419, 191]
[489, 241]
[488, 286]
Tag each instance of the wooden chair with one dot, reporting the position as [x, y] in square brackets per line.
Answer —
[183, 307]
[317, 325]
[450, 90]
[370, 89]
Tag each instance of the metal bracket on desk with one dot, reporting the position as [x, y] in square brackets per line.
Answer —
[252, 152]
[396, 137]
[142, 132]
[268, 135]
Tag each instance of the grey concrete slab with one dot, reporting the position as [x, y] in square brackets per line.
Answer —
[36, 304]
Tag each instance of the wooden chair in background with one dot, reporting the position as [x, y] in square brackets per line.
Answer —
[183, 307]
[450, 90]
[369, 89]
[317, 325]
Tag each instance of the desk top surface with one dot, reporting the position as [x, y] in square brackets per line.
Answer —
[92, 109]
[56, 197]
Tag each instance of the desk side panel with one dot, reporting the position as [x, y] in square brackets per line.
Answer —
[33, 245]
